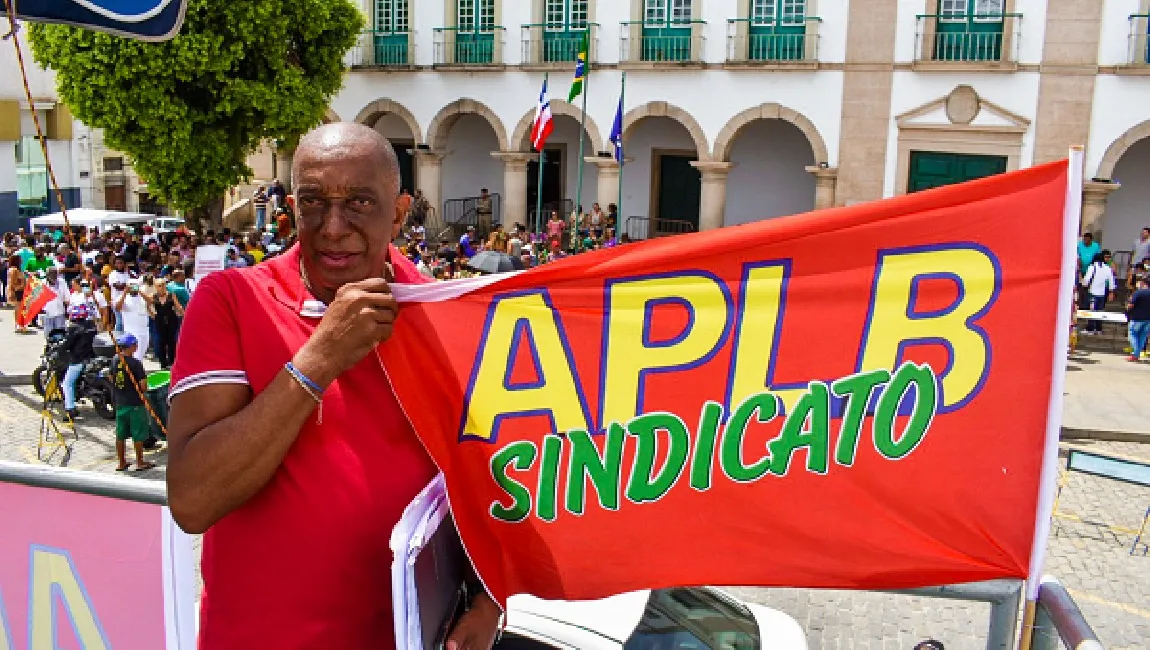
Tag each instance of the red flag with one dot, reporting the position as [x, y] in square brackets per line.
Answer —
[36, 295]
[855, 398]
[541, 128]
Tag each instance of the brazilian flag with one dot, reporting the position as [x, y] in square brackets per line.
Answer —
[580, 66]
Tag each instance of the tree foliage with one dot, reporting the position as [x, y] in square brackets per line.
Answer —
[190, 110]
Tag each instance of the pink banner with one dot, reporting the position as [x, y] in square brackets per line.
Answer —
[80, 571]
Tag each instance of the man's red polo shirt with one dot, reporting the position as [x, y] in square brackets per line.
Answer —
[305, 563]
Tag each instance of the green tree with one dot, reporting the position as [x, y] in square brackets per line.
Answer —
[190, 110]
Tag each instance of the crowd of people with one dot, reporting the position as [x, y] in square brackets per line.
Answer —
[1098, 284]
[135, 281]
[441, 257]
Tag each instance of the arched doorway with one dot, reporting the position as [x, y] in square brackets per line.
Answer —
[1126, 213]
[661, 186]
[769, 177]
[399, 126]
[561, 165]
[466, 133]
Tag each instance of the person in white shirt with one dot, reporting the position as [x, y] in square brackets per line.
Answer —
[57, 308]
[1098, 281]
[133, 309]
[423, 267]
[118, 280]
[97, 306]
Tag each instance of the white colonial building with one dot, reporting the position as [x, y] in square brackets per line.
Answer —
[735, 110]
[738, 110]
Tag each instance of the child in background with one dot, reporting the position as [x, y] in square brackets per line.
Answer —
[131, 414]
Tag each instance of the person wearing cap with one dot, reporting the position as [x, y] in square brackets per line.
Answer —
[466, 246]
[128, 383]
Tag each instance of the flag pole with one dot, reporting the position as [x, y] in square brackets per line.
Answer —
[539, 185]
[583, 122]
[622, 160]
[1048, 479]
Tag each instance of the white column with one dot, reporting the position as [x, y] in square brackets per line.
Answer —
[607, 191]
[283, 166]
[1095, 195]
[713, 197]
[826, 180]
[514, 185]
[429, 178]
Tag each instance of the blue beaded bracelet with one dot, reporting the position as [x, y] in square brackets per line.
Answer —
[295, 372]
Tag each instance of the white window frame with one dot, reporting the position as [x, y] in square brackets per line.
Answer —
[654, 11]
[953, 11]
[391, 15]
[982, 14]
[680, 11]
[568, 12]
[479, 16]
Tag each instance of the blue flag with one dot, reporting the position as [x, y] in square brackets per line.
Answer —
[146, 20]
[617, 132]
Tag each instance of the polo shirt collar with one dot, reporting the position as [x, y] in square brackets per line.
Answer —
[290, 289]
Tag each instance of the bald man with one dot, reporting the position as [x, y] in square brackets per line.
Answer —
[288, 449]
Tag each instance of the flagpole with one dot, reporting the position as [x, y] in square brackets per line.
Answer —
[539, 186]
[622, 159]
[1048, 477]
[583, 122]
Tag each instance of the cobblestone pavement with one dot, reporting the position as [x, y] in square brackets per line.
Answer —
[1093, 561]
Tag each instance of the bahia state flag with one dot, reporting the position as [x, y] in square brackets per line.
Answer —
[541, 128]
[580, 66]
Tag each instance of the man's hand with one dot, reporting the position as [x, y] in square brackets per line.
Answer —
[360, 318]
[476, 629]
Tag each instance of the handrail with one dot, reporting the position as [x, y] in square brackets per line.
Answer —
[958, 17]
[775, 22]
[1133, 16]
[390, 32]
[478, 29]
[1057, 609]
[569, 26]
[96, 484]
[665, 23]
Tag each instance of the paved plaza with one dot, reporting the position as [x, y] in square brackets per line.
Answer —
[1103, 392]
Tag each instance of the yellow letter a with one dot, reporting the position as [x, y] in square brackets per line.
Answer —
[53, 572]
[491, 395]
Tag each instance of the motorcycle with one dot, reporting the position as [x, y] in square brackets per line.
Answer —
[94, 383]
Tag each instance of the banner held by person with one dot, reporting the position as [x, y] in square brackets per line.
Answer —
[36, 296]
[853, 398]
[209, 259]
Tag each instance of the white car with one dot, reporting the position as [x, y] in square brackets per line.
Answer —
[680, 618]
[166, 224]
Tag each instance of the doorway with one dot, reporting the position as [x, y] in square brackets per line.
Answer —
[406, 164]
[675, 199]
[553, 175]
[934, 169]
[115, 198]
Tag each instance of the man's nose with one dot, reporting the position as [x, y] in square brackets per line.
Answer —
[335, 222]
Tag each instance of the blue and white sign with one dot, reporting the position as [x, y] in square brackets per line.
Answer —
[148, 20]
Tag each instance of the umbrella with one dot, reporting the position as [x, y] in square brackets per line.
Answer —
[495, 262]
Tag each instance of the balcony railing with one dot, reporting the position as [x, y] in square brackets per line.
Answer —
[382, 48]
[547, 44]
[1139, 42]
[677, 41]
[981, 38]
[750, 40]
[482, 46]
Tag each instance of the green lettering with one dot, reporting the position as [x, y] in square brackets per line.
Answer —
[548, 492]
[814, 405]
[703, 464]
[644, 485]
[925, 404]
[603, 469]
[764, 406]
[858, 390]
[521, 455]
